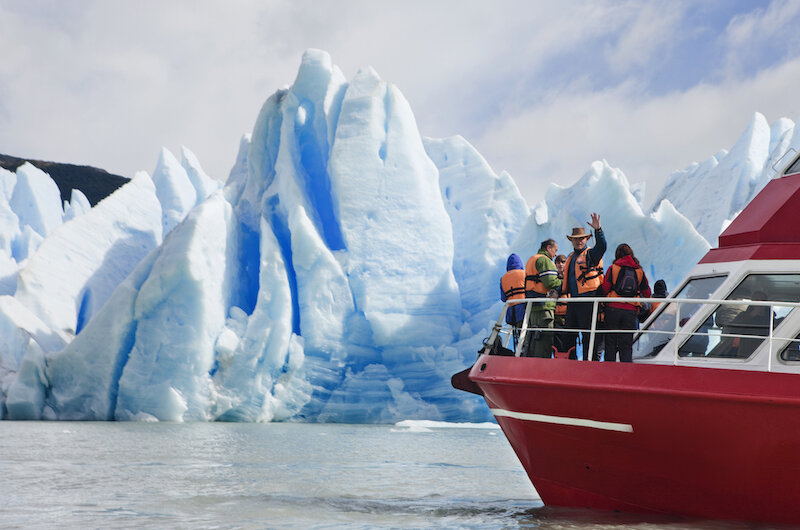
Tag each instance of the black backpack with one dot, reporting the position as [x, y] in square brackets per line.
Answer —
[627, 283]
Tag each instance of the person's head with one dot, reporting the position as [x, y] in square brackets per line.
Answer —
[514, 262]
[551, 247]
[578, 238]
[660, 289]
[623, 250]
[559, 261]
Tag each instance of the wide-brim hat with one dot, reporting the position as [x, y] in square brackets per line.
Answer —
[578, 233]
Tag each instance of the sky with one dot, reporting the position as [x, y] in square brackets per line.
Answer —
[542, 89]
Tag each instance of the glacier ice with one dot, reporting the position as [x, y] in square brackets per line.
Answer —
[486, 211]
[744, 169]
[346, 269]
[175, 191]
[605, 190]
[102, 252]
[32, 200]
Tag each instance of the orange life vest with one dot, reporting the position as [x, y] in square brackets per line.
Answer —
[587, 278]
[532, 281]
[513, 284]
[561, 307]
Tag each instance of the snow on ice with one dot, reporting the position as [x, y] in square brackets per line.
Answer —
[346, 269]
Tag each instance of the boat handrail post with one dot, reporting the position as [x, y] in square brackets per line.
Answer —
[494, 335]
[587, 355]
[524, 332]
[677, 327]
[771, 324]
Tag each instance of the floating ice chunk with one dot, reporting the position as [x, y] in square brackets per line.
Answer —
[428, 425]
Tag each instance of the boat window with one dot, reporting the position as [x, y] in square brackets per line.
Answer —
[794, 168]
[662, 327]
[791, 352]
[736, 330]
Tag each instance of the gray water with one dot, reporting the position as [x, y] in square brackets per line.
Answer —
[225, 475]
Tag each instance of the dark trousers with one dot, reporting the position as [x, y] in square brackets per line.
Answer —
[619, 342]
[540, 343]
[579, 316]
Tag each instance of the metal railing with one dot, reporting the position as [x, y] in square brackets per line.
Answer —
[679, 333]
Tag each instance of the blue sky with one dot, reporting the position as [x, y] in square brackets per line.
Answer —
[542, 89]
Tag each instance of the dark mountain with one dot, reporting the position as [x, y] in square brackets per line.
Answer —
[96, 184]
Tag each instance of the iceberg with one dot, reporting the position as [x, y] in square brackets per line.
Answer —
[344, 271]
[101, 252]
[730, 179]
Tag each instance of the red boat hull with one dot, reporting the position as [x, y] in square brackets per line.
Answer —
[699, 442]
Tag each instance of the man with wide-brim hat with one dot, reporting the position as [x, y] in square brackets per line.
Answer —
[583, 274]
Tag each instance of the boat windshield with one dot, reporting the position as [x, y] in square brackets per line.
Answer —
[662, 327]
[735, 331]
[795, 168]
[791, 352]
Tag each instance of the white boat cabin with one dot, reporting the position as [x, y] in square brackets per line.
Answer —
[755, 276]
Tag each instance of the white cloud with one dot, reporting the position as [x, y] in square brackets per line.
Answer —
[109, 82]
[773, 28]
[648, 35]
[647, 137]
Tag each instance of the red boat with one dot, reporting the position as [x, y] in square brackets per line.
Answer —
[706, 421]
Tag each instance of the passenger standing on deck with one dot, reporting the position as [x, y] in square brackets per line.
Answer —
[659, 291]
[541, 281]
[583, 275]
[625, 279]
[512, 287]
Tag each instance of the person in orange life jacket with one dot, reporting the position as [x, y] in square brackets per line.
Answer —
[583, 274]
[625, 278]
[541, 281]
[512, 287]
[560, 315]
